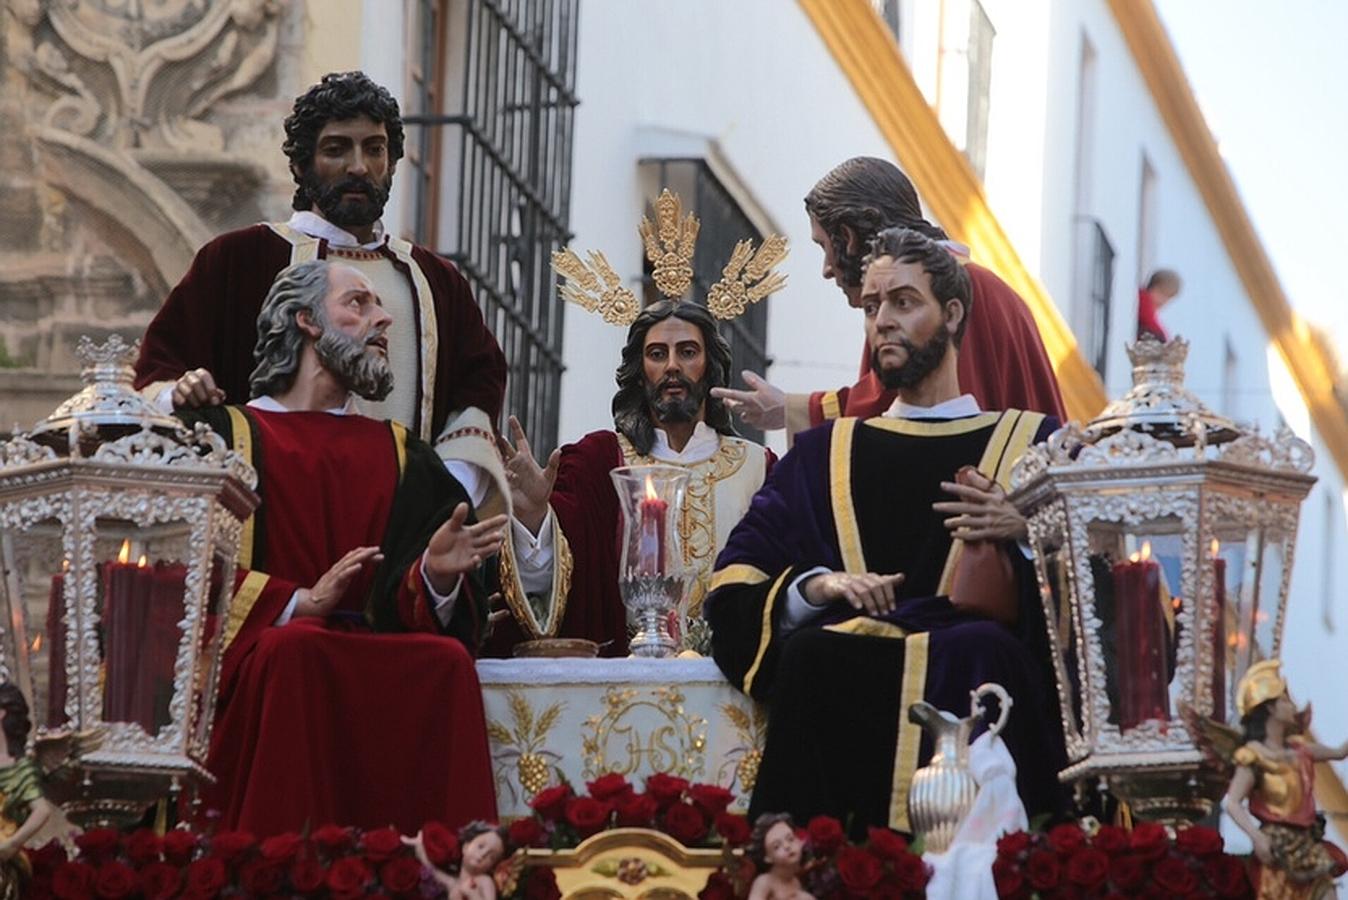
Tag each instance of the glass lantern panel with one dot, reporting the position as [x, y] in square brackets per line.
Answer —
[35, 587]
[1231, 641]
[220, 591]
[142, 575]
[1136, 573]
[1056, 595]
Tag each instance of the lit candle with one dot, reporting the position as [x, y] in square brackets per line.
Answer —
[1218, 634]
[126, 601]
[1141, 640]
[651, 537]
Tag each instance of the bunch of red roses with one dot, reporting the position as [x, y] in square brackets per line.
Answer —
[837, 869]
[1112, 862]
[330, 862]
[693, 814]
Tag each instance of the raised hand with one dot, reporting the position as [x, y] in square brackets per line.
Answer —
[530, 484]
[323, 596]
[456, 548]
[196, 388]
[763, 406]
[870, 593]
[982, 512]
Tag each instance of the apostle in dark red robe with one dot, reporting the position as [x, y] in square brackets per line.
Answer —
[1002, 361]
[343, 138]
[348, 692]
[566, 525]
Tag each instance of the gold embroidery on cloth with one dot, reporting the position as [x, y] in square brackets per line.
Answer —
[741, 762]
[697, 524]
[523, 744]
[618, 740]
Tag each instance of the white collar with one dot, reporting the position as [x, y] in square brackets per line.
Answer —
[314, 225]
[269, 403]
[958, 408]
[702, 445]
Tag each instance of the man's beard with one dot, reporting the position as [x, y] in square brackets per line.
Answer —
[921, 361]
[344, 212]
[675, 409]
[349, 359]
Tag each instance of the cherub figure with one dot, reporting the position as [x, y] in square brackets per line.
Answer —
[484, 847]
[24, 811]
[1273, 765]
[775, 846]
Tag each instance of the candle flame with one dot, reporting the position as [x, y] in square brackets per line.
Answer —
[1261, 616]
[125, 555]
[143, 562]
[1146, 550]
[650, 489]
[37, 643]
[1215, 547]
[65, 565]
[1175, 603]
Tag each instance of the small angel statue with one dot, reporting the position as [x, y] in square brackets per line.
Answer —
[484, 851]
[775, 846]
[24, 811]
[1272, 762]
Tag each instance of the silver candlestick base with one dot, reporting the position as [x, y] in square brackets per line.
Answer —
[651, 600]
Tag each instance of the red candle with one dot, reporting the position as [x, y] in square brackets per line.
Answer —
[56, 652]
[161, 643]
[1218, 635]
[651, 532]
[1140, 640]
[126, 604]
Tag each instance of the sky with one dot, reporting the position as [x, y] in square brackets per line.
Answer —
[1272, 81]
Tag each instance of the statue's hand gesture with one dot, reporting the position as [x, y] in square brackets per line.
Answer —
[763, 406]
[530, 483]
[982, 512]
[456, 548]
[195, 389]
[320, 599]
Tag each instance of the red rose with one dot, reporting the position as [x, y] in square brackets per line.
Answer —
[609, 787]
[46, 858]
[541, 884]
[227, 846]
[734, 829]
[160, 881]
[332, 838]
[205, 877]
[1066, 839]
[259, 877]
[685, 823]
[1009, 881]
[348, 877]
[825, 834]
[718, 887]
[381, 844]
[307, 874]
[179, 845]
[886, 844]
[526, 832]
[1110, 839]
[711, 798]
[1042, 869]
[1088, 868]
[74, 880]
[1126, 872]
[143, 846]
[442, 845]
[1149, 840]
[550, 803]
[1013, 845]
[401, 875]
[587, 815]
[114, 881]
[859, 870]
[1228, 877]
[1199, 840]
[97, 844]
[911, 873]
[1174, 877]
[636, 811]
[665, 788]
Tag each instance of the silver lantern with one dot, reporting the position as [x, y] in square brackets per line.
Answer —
[1163, 537]
[118, 534]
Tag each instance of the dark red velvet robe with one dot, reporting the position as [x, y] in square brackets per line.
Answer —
[210, 321]
[1002, 361]
[373, 717]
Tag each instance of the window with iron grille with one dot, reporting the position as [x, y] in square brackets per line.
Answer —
[1099, 286]
[493, 160]
[724, 223]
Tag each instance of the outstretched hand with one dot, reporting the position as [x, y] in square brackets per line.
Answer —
[763, 406]
[456, 548]
[982, 512]
[530, 483]
[328, 590]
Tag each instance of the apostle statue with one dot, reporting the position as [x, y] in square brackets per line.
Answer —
[566, 517]
[844, 596]
[348, 692]
[1002, 361]
[344, 138]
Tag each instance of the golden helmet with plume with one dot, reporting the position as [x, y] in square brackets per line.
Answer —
[669, 243]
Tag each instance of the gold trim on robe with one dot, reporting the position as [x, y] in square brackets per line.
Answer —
[915, 650]
[243, 445]
[245, 598]
[840, 491]
[766, 636]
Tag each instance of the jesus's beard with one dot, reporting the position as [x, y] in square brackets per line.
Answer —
[333, 204]
[675, 409]
[921, 362]
[361, 371]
